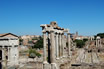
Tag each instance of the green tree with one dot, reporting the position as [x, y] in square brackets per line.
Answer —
[39, 43]
[85, 40]
[35, 38]
[101, 35]
[20, 41]
[80, 43]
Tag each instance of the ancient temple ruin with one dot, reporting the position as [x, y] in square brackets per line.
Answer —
[57, 52]
[9, 53]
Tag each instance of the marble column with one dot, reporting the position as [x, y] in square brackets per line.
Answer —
[44, 44]
[57, 46]
[68, 36]
[52, 38]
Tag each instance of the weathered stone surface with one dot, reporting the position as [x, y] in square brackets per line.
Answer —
[56, 46]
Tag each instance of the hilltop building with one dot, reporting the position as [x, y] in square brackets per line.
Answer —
[28, 40]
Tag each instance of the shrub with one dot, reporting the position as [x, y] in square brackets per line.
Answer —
[33, 53]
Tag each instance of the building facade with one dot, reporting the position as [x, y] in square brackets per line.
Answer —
[9, 53]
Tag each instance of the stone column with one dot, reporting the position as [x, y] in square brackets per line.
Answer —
[52, 46]
[65, 53]
[3, 58]
[8, 54]
[60, 44]
[100, 43]
[44, 44]
[3, 54]
[53, 64]
[96, 43]
[68, 36]
[63, 44]
[57, 46]
[49, 47]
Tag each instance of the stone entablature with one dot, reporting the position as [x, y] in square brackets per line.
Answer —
[8, 41]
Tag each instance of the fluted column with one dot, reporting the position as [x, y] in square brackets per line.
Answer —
[45, 51]
[52, 46]
[69, 52]
[57, 46]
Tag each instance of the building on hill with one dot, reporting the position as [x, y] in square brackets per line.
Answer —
[28, 40]
[75, 36]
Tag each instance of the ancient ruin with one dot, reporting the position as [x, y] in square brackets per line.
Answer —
[60, 51]
[56, 53]
[8, 50]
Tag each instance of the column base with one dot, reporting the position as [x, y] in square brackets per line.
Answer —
[46, 66]
[53, 66]
[45, 62]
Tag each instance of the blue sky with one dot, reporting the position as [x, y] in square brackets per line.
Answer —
[24, 17]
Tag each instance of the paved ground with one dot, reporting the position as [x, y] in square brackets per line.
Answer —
[85, 57]
[85, 60]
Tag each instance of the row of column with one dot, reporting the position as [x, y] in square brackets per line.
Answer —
[60, 44]
[57, 42]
